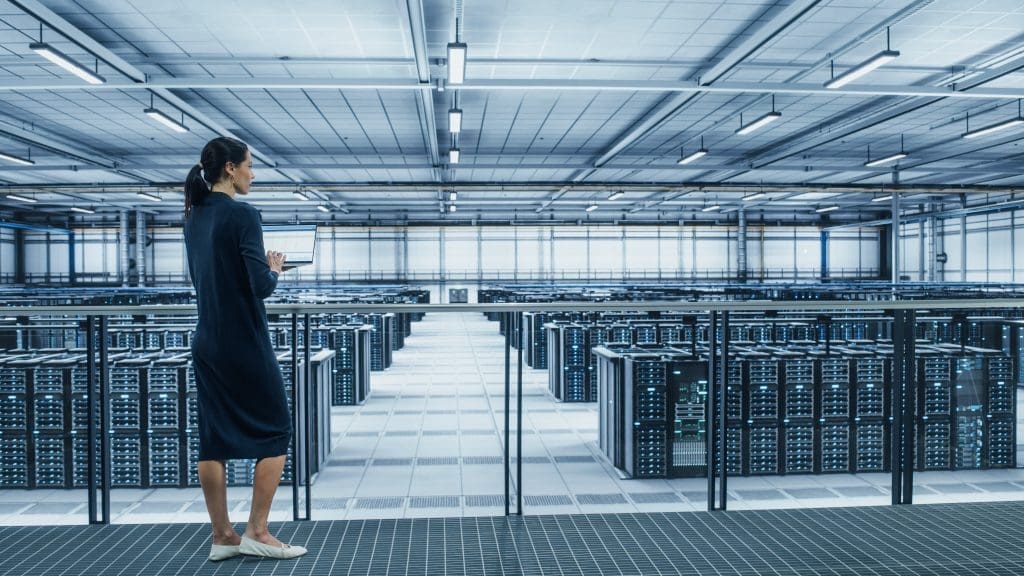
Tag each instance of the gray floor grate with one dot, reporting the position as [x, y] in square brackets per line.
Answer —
[600, 499]
[654, 497]
[381, 503]
[434, 502]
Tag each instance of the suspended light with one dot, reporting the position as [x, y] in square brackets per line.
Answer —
[711, 208]
[591, 208]
[880, 59]
[762, 121]
[883, 198]
[322, 208]
[453, 156]
[456, 62]
[616, 195]
[452, 208]
[754, 196]
[886, 160]
[166, 120]
[300, 195]
[453, 196]
[149, 196]
[455, 120]
[826, 209]
[66, 62]
[81, 210]
[20, 198]
[16, 159]
[1012, 122]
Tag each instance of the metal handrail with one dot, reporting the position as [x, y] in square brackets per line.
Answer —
[573, 306]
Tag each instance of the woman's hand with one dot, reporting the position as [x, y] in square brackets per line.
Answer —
[275, 260]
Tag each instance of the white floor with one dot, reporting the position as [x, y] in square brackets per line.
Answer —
[428, 442]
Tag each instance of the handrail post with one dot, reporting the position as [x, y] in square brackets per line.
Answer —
[508, 345]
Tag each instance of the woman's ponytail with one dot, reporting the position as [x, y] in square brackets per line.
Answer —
[210, 170]
[196, 188]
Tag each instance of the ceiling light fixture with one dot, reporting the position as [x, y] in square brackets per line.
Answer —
[452, 208]
[824, 209]
[66, 62]
[760, 122]
[22, 198]
[883, 198]
[700, 153]
[711, 208]
[454, 155]
[591, 208]
[1019, 120]
[322, 208]
[616, 195]
[149, 196]
[886, 159]
[164, 119]
[300, 195]
[456, 62]
[754, 196]
[455, 120]
[453, 196]
[18, 159]
[865, 67]
[81, 210]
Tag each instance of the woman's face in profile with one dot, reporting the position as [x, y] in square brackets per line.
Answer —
[243, 175]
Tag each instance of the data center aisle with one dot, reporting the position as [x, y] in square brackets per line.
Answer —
[428, 443]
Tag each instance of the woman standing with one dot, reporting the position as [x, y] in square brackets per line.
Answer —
[243, 411]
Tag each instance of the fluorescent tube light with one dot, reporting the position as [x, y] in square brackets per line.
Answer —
[166, 120]
[149, 196]
[456, 62]
[616, 195]
[826, 209]
[880, 59]
[592, 207]
[300, 195]
[993, 128]
[455, 120]
[66, 62]
[698, 154]
[16, 159]
[711, 208]
[452, 208]
[754, 196]
[762, 121]
[453, 156]
[886, 160]
[21, 198]
[82, 210]
[885, 198]
[322, 208]
[453, 196]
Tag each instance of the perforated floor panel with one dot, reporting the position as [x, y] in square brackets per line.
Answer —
[953, 539]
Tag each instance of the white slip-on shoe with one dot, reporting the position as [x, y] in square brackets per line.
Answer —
[220, 552]
[252, 547]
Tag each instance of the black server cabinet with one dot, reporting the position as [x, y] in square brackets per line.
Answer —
[870, 428]
[351, 345]
[610, 401]
[646, 403]
[834, 418]
[763, 443]
[736, 416]
[687, 396]
[1001, 415]
[798, 449]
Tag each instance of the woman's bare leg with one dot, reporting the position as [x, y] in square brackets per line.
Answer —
[265, 482]
[213, 479]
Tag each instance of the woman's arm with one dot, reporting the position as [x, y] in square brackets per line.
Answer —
[262, 279]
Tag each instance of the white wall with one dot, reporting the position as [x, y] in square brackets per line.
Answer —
[994, 246]
[7, 264]
[465, 253]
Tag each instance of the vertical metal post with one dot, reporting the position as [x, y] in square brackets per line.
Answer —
[307, 416]
[709, 416]
[909, 405]
[519, 426]
[508, 345]
[723, 418]
[295, 416]
[896, 416]
[90, 402]
[104, 380]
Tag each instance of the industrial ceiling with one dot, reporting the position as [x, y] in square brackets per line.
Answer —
[564, 104]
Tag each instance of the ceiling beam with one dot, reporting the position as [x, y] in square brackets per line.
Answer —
[425, 95]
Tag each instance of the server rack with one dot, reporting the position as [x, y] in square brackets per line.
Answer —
[351, 345]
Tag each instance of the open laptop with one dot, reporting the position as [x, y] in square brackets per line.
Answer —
[296, 241]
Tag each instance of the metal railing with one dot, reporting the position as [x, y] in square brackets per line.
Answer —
[902, 312]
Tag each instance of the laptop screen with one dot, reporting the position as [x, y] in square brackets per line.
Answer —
[296, 241]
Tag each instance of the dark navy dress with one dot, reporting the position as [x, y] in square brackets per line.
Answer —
[243, 410]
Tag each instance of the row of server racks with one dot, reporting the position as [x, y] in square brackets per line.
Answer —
[797, 411]
[153, 427]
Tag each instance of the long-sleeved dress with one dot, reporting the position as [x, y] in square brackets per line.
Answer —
[243, 410]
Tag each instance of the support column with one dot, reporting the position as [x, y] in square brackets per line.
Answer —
[894, 230]
[824, 255]
[922, 263]
[122, 248]
[963, 248]
[71, 254]
[19, 256]
[140, 246]
[933, 245]
[741, 246]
